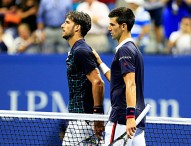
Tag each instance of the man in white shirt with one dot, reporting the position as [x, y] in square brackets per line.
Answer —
[180, 41]
[141, 28]
[97, 36]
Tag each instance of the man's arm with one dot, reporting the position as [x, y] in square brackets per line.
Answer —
[98, 94]
[97, 87]
[99, 61]
[129, 79]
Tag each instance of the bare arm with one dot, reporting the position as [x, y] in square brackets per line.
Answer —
[107, 75]
[172, 43]
[131, 101]
[97, 86]
[99, 61]
[145, 31]
[31, 11]
[130, 89]
[169, 46]
[98, 94]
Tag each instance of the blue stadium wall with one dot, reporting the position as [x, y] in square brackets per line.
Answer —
[39, 83]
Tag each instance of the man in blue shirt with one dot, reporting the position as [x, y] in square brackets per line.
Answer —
[51, 14]
[126, 81]
[86, 86]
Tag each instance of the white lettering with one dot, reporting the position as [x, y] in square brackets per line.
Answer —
[166, 104]
[125, 57]
[38, 100]
[168, 108]
[13, 99]
[32, 106]
[58, 102]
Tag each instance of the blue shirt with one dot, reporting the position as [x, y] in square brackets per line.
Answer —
[80, 62]
[52, 12]
[127, 59]
[142, 19]
[172, 18]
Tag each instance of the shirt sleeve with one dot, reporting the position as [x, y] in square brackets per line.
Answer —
[85, 61]
[126, 60]
[40, 12]
[174, 36]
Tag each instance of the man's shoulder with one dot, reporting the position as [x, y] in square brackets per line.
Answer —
[128, 45]
[174, 35]
[128, 48]
[83, 48]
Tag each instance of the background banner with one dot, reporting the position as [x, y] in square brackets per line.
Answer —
[39, 83]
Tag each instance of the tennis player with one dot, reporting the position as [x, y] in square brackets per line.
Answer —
[126, 82]
[86, 87]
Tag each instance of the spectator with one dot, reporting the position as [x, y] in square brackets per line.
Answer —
[3, 46]
[180, 41]
[28, 10]
[6, 41]
[111, 5]
[9, 16]
[155, 9]
[51, 14]
[26, 41]
[173, 12]
[141, 28]
[97, 36]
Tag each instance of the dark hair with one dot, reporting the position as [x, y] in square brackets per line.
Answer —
[82, 19]
[186, 17]
[124, 15]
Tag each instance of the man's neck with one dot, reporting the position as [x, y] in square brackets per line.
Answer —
[73, 40]
[124, 36]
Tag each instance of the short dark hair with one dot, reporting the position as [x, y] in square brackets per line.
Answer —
[82, 19]
[124, 15]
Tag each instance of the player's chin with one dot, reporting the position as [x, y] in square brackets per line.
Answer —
[63, 35]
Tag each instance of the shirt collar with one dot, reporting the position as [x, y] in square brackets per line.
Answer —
[123, 42]
[77, 43]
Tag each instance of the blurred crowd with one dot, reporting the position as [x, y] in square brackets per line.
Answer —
[33, 26]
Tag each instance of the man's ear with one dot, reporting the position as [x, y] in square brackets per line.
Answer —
[77, 28]
[124, 26]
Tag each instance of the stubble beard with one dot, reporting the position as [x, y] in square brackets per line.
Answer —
[67, 37]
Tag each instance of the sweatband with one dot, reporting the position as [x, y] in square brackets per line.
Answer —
[98, 110]
[103, 68]
[130, 112]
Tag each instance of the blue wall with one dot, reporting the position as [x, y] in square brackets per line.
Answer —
[39, 83]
